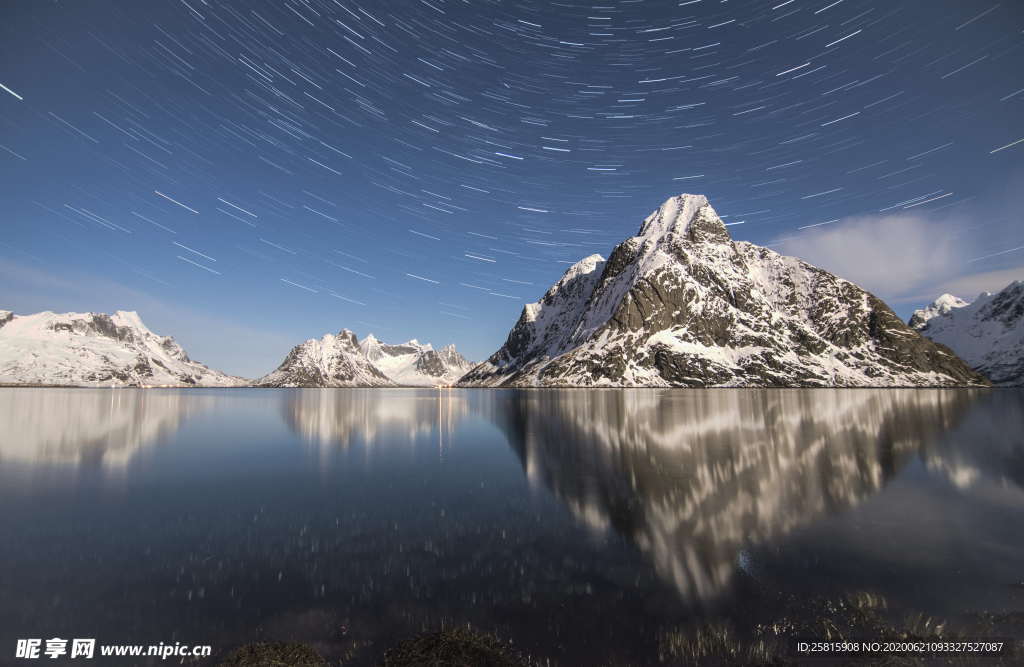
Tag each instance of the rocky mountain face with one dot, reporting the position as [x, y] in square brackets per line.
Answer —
[682, 304]
[96, 349]
[987, 333]
[331, 361]
[344, 361]
[414, 363]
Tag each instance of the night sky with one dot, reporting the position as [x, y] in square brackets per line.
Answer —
[250, 174]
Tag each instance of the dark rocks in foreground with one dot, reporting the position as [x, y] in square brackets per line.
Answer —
[273, 654]
[767, 639]
[454, 647]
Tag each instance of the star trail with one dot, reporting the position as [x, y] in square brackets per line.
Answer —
[423, 169]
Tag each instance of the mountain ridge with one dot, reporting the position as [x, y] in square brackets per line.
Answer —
[343, 360]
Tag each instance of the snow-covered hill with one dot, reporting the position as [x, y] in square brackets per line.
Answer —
[343, 361]
[96, 349]
[987, 333]
[332, 361]
[414, 363]
[682, 304]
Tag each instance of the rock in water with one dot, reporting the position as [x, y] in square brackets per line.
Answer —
[682, 304]
[987, 333]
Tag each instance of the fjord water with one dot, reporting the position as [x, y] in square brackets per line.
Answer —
[584, 525]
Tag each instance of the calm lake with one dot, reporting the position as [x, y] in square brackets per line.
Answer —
[587, 526]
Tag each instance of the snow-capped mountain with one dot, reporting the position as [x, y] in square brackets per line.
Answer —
[414, 363]
[987, 333]
[682, 304]
[331, 361]
[96, 349]
[344, 361]
[940, 306]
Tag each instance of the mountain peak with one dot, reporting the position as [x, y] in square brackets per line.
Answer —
[940, 306]
[688, 216]
[350, 336]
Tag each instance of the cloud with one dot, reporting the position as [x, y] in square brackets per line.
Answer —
[888, 255]
[907, 258]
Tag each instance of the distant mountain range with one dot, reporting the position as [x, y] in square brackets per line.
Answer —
[987, 333]
[343, 361]
[678, 305]
[97, 349]
[683, 305]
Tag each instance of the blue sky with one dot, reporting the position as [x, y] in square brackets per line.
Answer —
[248, 175]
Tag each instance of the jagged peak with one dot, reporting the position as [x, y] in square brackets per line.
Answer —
[346, 335]
[676, 216]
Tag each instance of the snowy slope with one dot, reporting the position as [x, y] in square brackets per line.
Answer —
[987, 333]
[96, 349]
[414, 363]
[331, 361]
[682, 304]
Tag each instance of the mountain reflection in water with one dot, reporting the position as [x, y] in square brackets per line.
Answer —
[545, 515]
[692, 477]
[101, 429]
[332, 418]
